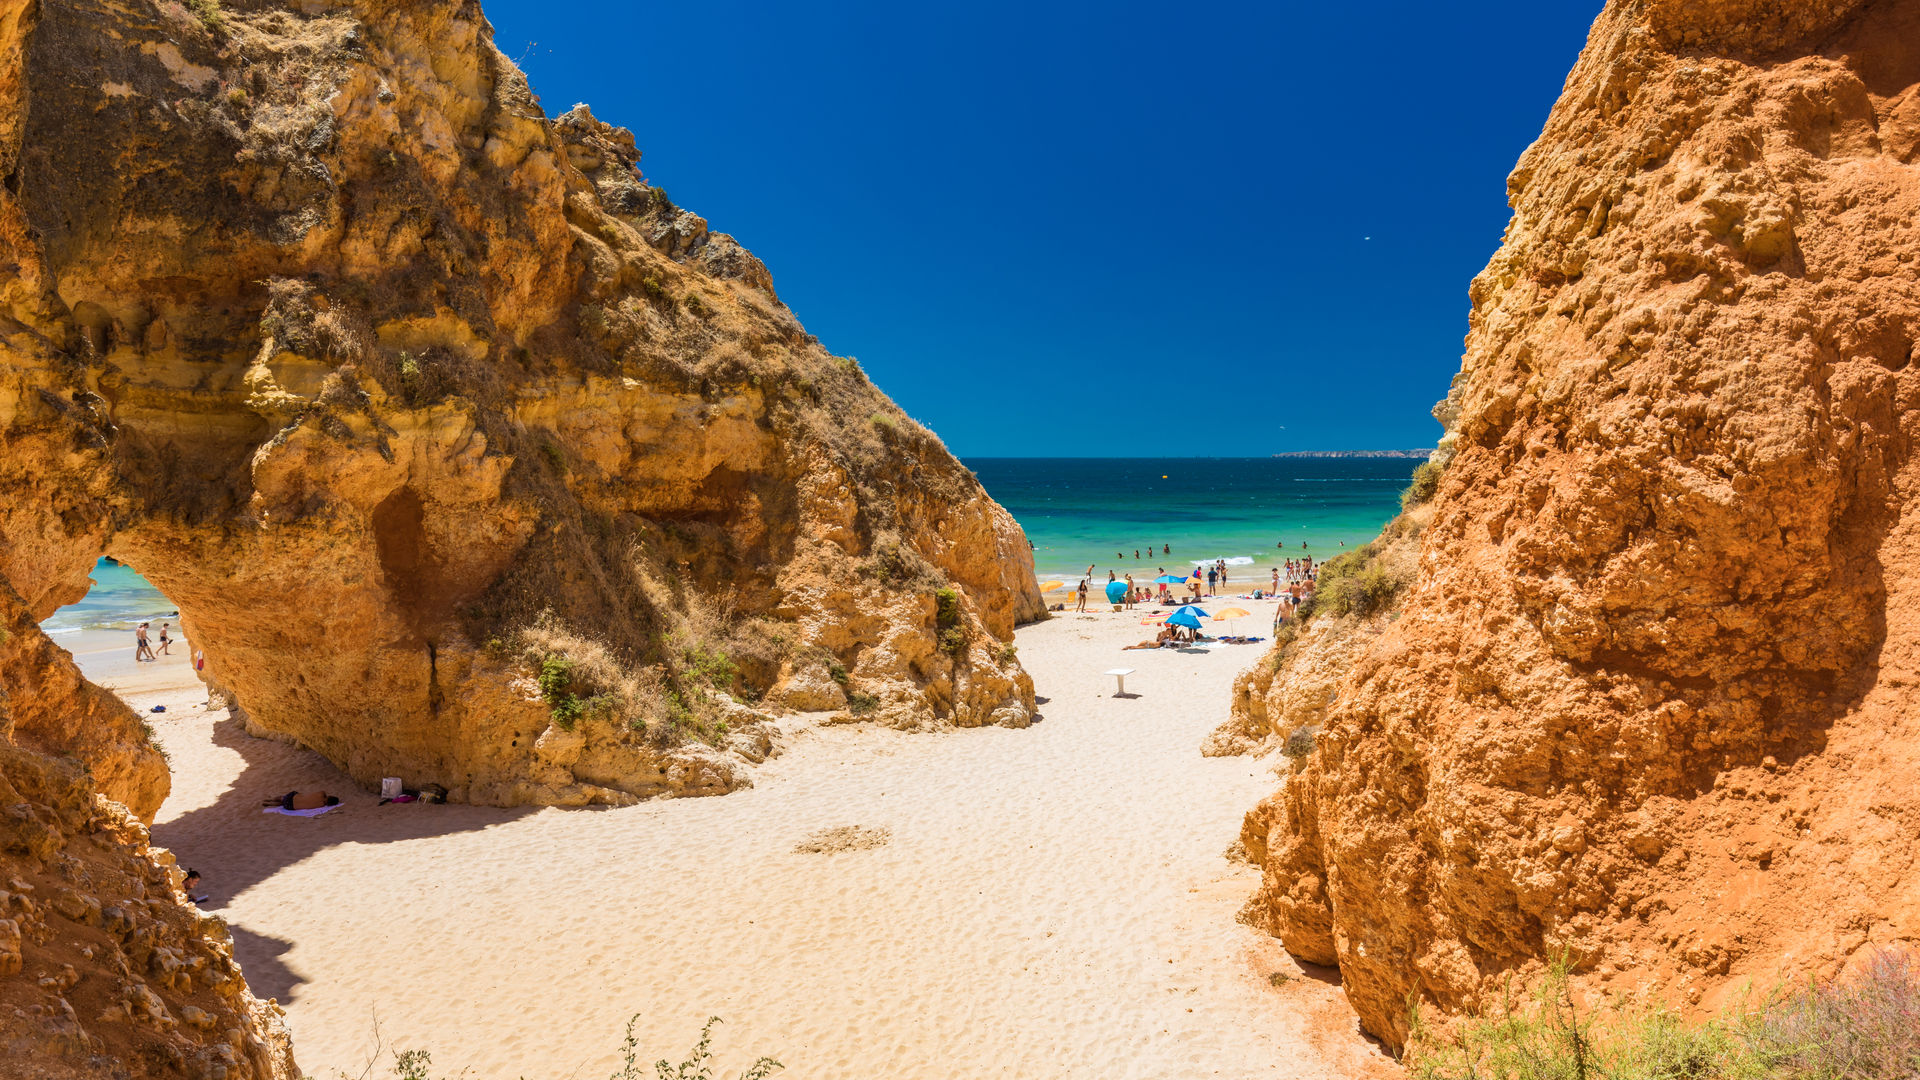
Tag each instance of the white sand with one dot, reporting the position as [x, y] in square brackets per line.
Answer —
[1048, 903]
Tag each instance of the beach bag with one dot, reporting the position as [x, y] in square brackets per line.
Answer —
[432, 793]
[389, 787]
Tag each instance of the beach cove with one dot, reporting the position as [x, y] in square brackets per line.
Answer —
[1049, 902]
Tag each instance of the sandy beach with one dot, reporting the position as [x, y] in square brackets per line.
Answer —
[1052, 902]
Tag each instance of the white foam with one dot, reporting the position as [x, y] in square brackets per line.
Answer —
[1237, 560]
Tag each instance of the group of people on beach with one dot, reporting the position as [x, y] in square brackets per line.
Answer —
[143, 649]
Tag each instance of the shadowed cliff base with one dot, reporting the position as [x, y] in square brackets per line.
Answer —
[1647, 700]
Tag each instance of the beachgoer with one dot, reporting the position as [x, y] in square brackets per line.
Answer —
[303, 800]
[1110, 576]
[1211, 579]
[191, 886]
[1089, 573]
[1083, 593]
[1131, 594]
[1166, 549]
[165, 641]
[142, 650]
[1136, 553]
[1163, 638]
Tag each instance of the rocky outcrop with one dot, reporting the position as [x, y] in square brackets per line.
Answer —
[1650, 702]
[468, 455]
[46, 705]
[104, 968]
[1291, 689]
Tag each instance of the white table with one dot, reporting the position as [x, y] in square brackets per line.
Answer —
[1120, 680]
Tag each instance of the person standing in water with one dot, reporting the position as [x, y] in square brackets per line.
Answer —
[142, 650]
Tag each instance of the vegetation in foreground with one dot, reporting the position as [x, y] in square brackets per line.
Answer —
[698, 1064]
[1865, 1026]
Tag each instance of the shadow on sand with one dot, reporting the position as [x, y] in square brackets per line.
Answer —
[236, 846]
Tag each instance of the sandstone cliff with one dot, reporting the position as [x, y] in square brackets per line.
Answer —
[1651, 699]
[104, 970]
[467, 455]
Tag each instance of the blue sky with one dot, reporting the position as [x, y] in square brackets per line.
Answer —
[1088, 229]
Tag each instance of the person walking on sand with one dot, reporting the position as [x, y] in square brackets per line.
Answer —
[1083, 595]
[165, 642]
[142, 650]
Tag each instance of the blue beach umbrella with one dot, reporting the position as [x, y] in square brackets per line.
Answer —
[1184, 617]
[1169, 579]
[1116, 591]
[1197, 613]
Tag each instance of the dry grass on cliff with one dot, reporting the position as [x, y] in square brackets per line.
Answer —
[698, 1065]
[678, 700]
[1862, 1027]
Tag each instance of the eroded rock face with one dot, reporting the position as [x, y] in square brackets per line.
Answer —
[1650, 700]
[104, 968]
[401, 390]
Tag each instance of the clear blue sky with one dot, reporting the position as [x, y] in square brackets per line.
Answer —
[1039, 226]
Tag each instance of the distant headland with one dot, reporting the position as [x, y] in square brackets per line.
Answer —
[1411, 454]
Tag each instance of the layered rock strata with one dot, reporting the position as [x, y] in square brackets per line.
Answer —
[467, 455]
[1651, 700]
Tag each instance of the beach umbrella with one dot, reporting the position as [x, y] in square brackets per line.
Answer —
[1116, 591]
[1184, 618]
[1233, 613]
[1169, 579]
[1197, 613]
[1052, 585]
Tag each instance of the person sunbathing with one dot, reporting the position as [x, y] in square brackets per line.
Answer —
[303, 800]
[1166, 635]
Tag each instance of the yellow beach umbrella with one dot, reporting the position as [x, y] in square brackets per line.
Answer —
[1052, 585]
[1231, 613]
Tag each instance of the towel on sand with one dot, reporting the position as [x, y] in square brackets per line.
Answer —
[315, 812]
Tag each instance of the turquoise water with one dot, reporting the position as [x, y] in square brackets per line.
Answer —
[119, 600]
[1078, 511]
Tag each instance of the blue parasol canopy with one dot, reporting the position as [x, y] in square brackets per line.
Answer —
[1184, 617]
[1169, 579]
[1197, 613]
[1116, 591]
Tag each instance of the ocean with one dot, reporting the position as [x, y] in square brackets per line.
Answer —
[119, 600]
[1250, 511]
[1076, 511]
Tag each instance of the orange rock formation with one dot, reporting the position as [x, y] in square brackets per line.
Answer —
[467, 455]
[1651, 699]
